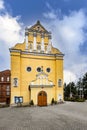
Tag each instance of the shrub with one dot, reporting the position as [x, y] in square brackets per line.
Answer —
[55, 102]
[75, 99]
[52, 101]
[31, 102]
[80, 100]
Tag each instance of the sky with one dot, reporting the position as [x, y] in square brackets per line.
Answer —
[66, 19]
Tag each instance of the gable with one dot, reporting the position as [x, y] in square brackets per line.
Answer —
[38, 28]
[41, 80]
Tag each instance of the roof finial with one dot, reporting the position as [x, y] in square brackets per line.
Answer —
[38, 22]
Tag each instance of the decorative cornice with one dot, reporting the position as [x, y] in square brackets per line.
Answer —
[37, 54]
[15, 50]
[41, 86]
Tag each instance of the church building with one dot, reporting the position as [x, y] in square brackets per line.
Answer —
[36, 68]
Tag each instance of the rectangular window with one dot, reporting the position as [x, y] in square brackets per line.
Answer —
[8, 88]
[2, 78]
[8, 79]
[7, 93]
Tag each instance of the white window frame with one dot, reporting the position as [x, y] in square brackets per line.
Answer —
[15, 82]
[7, 93]
[7, 87]
[59, 83]
[2, 78]
[7, 90]
[8, 79]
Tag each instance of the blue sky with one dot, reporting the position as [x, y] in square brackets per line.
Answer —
[66, 19]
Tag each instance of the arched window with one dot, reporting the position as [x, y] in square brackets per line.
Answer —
[60, 83]
[15, 82]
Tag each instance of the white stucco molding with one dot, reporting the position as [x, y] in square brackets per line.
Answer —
[41, 81]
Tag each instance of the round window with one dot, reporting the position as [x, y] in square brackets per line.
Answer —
[28, 69]
[39, 69]
[48, 70]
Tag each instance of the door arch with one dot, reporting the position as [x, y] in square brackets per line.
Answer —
[42, 98]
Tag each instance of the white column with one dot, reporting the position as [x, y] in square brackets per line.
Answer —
[34, 42]
[26, 38]
[49, 44]
[42, 42]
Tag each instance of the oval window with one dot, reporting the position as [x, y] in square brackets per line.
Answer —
[39, 69]
[28, 69]
[48, 70]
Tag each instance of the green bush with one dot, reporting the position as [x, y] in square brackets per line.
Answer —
[75, 99]
[55, 102]
[31, 102]
[52, 101]
[80, 100]
[70, 99]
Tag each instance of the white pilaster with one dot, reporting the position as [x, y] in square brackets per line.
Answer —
[26, 38]
[34, 42]
[49, 44]
[42, 42]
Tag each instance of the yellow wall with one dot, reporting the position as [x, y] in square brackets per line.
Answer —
[21, 59]
[19, 64]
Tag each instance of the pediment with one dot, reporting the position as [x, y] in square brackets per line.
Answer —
[38, 28]
[41, 81]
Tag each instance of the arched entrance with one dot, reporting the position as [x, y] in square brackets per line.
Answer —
[42, 98]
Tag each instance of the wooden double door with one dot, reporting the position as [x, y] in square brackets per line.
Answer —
[42, 98]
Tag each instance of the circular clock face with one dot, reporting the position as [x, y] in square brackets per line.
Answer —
[28, 69]
[39, 69]
[48, 70]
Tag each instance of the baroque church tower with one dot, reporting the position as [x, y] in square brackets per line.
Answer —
[36, 68]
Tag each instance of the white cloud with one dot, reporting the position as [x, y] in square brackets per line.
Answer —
[68, 35]
[10, 29]
[1, 4]
[51, 14]
[69, 76]
[11, 32]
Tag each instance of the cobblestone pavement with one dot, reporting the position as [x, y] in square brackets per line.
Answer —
[67, 116]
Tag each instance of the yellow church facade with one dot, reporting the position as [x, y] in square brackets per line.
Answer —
[36, 68]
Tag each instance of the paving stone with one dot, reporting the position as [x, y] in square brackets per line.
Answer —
[67, 116]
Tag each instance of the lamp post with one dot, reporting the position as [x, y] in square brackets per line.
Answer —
[70, 91]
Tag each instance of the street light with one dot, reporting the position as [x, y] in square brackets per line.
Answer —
[70, 88]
